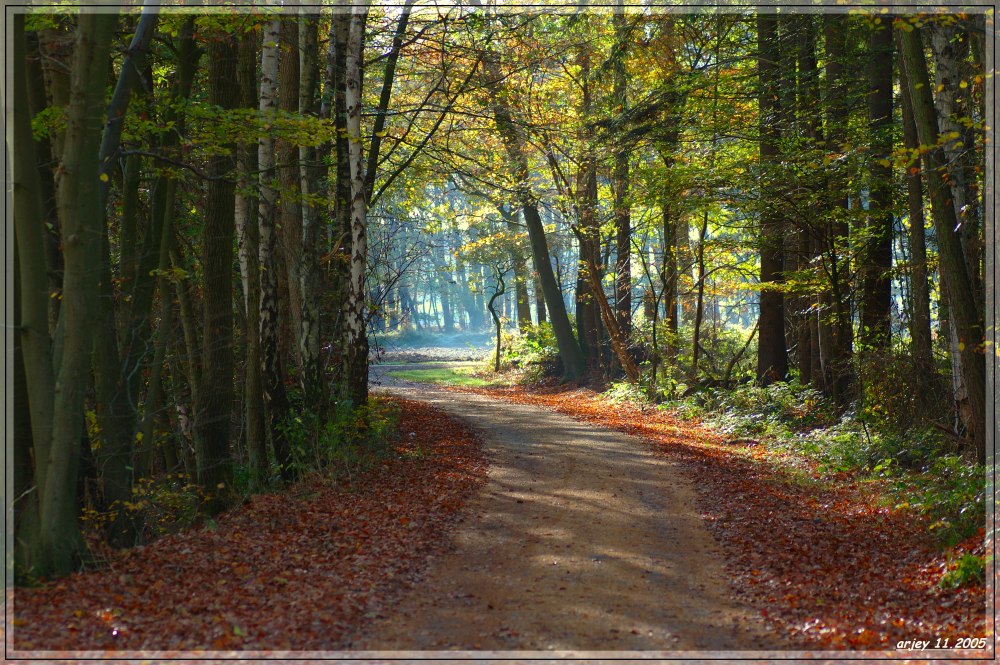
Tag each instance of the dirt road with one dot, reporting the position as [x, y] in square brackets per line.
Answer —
[582, 540]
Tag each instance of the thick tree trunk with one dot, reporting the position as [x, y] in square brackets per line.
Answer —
[963, 310]
[80, 216]
[34, 379]
[772, 357]
[212, 412]
[876, 297]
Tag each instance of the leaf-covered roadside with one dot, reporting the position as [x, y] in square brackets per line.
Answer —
[826, 563]
[294, 571]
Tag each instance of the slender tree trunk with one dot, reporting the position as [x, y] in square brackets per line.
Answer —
[620, 186]
[809, 109]
[308, 255]
[356, 320]
[340, 266]
[920, 319]
[588, 315]
[836, 329]
[275, 397]
[574, 363]
[248, 242]
[117, 369]
[966, 316]
[700, 301]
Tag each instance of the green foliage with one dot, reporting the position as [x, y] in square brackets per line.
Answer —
[624, 391]
[351, 439]
[921, 471]
[896, 394]
[449, 376]
[780, 409]
[967, 569]
[951, 493]
[533, 351]
[162, 505]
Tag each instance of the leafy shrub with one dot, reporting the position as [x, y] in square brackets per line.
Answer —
[780, 408]
[952, 494]
[925, 473]
[533, 351]
[895, 393]
[162, 505]
[967, 569]
[352, 438]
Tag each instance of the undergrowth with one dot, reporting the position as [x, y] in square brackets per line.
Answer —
[918, 466]
[351, 440]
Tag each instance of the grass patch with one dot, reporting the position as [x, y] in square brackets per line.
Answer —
[444, 376]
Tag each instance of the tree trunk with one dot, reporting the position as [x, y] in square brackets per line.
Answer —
[355, 316]
[246, 210]
[574, 364]
[34, 379]
[539, 300]
[963, 311]
[289, 177]
[876, 298]
[772, 357]
[620, 186]
[836, 327]
[272, 376]
[920, 318]
[340, 266]
[80, 216]
[212, 412]
[308, 256]
[588, 314]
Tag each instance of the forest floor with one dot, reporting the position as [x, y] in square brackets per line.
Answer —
[828, 564]
[296, 571]
[600, 526]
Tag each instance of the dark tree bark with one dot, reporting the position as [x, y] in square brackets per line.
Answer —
[620, 186]
[772, 358]
[574, 363]
[836, 333]
[920, 318]
[80, 216]
[876, 297]
[212, 412]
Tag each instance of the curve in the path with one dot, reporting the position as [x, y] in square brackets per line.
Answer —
[582, 540]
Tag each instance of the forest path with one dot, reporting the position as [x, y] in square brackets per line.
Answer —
[582, 540]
